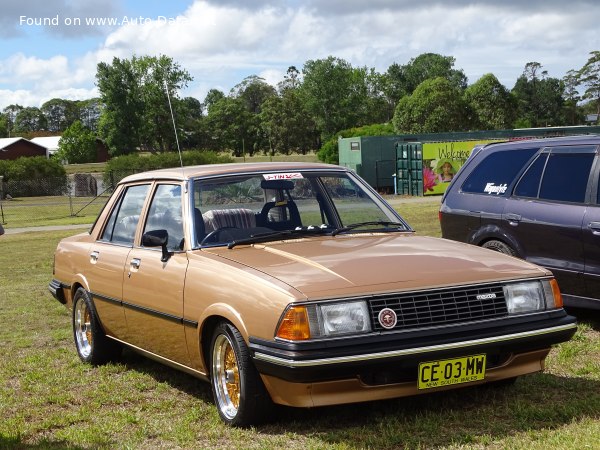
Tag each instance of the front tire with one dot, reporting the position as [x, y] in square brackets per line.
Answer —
[238, 390]
[92, 345]
[499, 246]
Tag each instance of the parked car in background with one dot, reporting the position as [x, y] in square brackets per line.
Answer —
[538, 200]
[296, 284]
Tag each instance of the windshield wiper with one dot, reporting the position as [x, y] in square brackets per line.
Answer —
[397, 226]
[271, 235]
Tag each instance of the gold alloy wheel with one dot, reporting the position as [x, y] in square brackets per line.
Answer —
[226, 376]
[83, 328]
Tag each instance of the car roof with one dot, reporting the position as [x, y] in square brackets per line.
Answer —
[588, 139]
[188, 172]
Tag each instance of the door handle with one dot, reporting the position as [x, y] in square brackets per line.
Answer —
[94, 257]
[595, 227]
[135, 263]
[513, 219]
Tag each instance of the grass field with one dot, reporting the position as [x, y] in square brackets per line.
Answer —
[48, 399]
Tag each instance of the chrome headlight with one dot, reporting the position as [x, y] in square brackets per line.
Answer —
[532, 296]
[301, 322]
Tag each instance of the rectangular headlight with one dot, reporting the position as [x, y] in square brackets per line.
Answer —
[344, 318]
[525, 297]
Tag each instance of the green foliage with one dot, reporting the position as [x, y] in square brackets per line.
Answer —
[435, 106]
[121, 166]
[492, 105]
[539, 97]
[232, 126]
[589, 76]
[329, 152]
[30, 168]
[77, 145]
[60, 113]
[136, 107]
[29, 119]
[287, 125]
[334, 94]
[33, 176]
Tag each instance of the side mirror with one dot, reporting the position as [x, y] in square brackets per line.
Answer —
[157, 238]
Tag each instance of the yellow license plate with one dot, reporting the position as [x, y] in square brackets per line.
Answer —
[446, 372]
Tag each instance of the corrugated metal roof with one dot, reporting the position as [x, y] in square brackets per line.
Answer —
[50, 142]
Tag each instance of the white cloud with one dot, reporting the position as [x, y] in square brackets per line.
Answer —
[220, 43]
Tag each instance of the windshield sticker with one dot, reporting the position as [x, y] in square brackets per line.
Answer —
[283, 176]
[491, 188]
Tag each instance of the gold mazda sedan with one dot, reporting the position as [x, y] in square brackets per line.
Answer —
[296, 284]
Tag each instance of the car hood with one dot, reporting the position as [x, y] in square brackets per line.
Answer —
[383, 262]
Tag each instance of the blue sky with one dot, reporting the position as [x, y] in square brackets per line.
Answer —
[222, 41]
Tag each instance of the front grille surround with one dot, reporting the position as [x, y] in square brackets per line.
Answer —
[440, 307]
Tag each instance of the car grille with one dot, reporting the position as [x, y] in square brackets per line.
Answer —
[440, 307]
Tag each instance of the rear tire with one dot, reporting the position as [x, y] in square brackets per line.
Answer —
[499, 246]
[238, 391]
[92, 345]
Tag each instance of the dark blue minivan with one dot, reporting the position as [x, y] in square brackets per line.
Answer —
[538, 200]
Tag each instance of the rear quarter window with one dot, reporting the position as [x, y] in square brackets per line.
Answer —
[496, 171]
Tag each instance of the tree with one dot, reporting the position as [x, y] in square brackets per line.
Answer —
[539, 97]
[492, 104]
[291, 80]
[231, 126]
[77, 145]
[287, 125]
[136, 107]
[212, 97]
[29, 119]
[253, 90]
[89, 112]
[334, 94]
[60, 114]
[435, 106]
[572, 97]
[431, 65]
[589, 76]
[10, 112]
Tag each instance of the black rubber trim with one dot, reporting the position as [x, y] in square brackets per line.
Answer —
[148, 311]
[57, 288]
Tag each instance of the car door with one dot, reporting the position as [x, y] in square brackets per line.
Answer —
[153, 288]
[108, 256]
[546, 211]
[591, 241]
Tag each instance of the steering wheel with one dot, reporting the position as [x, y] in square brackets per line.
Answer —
[213, 236]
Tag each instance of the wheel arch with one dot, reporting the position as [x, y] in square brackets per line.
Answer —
[494, 232]
[208, 322]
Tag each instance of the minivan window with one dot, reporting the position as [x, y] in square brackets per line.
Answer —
[566, 177]
[529, 184]
[497, 171]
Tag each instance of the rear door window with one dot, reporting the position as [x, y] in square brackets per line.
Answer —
[566, 177]
[559, 174]
[496, 171]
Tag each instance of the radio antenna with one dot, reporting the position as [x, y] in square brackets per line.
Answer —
[174, 127]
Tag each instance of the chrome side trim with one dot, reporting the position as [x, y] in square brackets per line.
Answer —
[409, 351]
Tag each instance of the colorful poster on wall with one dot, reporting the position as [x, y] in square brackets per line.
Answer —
[442, 160]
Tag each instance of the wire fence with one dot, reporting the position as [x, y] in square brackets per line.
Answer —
[73, 199]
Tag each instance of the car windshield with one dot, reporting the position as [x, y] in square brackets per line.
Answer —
[266, 206]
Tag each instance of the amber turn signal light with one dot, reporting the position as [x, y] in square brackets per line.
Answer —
[558, 301]
[294, 326]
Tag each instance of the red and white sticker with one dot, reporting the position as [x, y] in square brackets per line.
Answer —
[283, 176]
